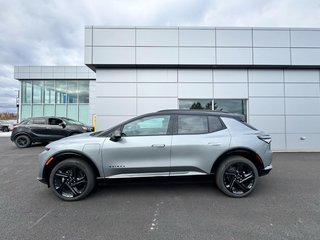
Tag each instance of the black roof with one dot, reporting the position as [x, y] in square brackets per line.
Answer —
[204, 112]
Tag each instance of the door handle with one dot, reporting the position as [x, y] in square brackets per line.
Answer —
[214, 144]
[158, 145]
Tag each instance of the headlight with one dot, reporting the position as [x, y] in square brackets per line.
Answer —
[85, 128]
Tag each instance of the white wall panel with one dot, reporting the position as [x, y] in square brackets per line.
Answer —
[278, 141]
[116, 89]
[157, 55]
[294, 141]
[297, 75]
[271, 38]
[196, 55]
[271, 56]
[116, 75]
[230, 90]
[116, 106]
[34, 69]
[157, 89]
[234, 38]
[157, 37]
[269, 124]
[195, 75]
[196, 37]
[147, 105]
[88, 55]
[113, 55]
[301, 106]
[305, 38]
[35, 75]
[46, 75]
[266, 106]
[105, 122]
[88, 36]
[265, 75]
[302, 90]
[113, 37]
[234, 56]
[195, 90]
[58, 75]
[70, 75]
[266, 89]
[230, 75]
[157, 75]
[303, 124]
[305, 56]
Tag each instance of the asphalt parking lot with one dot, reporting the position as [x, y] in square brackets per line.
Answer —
[285, 205]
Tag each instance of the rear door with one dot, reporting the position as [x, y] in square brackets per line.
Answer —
[38, 128]
[196, 143]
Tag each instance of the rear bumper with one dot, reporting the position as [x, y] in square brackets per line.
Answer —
[265, 171]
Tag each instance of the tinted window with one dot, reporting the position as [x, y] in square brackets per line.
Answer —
[155, 125]
[191, 124]
[38, 121]
[55, 121]
[215, 124]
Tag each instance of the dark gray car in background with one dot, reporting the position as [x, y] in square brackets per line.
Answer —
[45, 129]
[160, 144]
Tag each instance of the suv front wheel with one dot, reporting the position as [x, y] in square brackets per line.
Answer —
[236, 176]
[72, 179]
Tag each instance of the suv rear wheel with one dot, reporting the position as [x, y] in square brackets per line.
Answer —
[22, 141]
[72, 179]
[236, 176]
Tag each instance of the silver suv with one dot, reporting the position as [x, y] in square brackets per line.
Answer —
[165, 143]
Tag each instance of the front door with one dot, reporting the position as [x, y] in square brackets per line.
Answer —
[142, 151]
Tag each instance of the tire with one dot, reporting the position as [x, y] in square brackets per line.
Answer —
[236, 176]
[22, 141]
[5, 129]
[72, 179]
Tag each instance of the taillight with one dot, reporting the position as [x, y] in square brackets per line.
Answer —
[265, 138]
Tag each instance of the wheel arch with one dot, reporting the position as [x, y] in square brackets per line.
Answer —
[243, 152]
[59, 157]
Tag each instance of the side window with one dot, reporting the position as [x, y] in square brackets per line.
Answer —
[192, 124]
[40, 121]
[215, 124]
[55, 121]
[147, 126]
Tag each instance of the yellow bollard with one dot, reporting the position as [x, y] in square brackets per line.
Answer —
[94, 122]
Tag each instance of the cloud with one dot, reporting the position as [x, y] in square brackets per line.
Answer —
[52, 32]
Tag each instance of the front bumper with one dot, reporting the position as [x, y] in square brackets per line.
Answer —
[42, 180]
[265, 171]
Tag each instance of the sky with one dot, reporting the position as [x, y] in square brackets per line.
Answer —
[41, 32]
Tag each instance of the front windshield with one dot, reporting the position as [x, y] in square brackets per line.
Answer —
[71, 121]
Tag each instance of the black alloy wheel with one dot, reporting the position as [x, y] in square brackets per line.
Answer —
[237, 177]
[22, 141]
[72, 179]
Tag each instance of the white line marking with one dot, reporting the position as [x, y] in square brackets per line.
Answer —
[39, 220]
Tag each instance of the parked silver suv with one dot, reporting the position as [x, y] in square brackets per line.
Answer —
[165, 143]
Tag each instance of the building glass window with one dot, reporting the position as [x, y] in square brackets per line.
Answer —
[195, 104]
[61, 91]
[225, 105]
[65, 98]
[37, 91]
[231, 105]
[49, 92]
[26, 91]
[83, 91]
[72, 92]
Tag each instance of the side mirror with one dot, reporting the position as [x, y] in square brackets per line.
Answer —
[63, 125]
[116, 136]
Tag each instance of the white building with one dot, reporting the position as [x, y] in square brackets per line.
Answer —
[272, 75]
